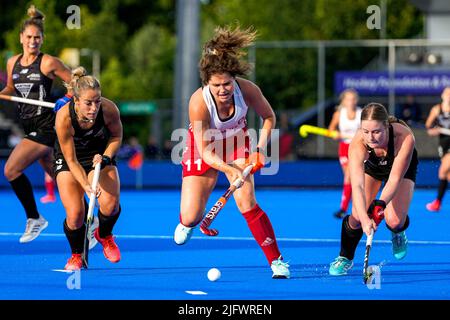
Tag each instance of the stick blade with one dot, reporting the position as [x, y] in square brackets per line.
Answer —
[303, 131]
[85, 254]
[209, 232]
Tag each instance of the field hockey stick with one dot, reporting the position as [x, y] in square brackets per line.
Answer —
[444, 131]
[306, 129]
[214, 211]
[366, 273]
[28, 101]
[90, 215]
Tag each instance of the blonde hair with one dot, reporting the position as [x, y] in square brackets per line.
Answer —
[222, 53]
[350, 90]
[36, 19]
[81, 81]
[378, 112]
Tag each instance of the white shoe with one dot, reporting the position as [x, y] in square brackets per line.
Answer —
[92, 240]
[280, 269]
[182, 234]
[33, 229]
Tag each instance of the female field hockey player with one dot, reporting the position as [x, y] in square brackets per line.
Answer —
[89, 131]
[346, 119]
[217, 114]
[383, 150]
[439, 117]
[30, 75]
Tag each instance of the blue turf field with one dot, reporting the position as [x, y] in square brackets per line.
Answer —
[153, 267]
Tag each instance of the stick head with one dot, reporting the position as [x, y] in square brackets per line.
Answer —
[303, 131]
[367, 275]
[209, 232]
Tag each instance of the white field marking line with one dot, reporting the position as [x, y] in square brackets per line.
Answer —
[137, 236]
[196, 293]
[62, 270]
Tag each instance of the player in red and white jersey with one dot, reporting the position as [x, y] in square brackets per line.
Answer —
[347, 120]
[219, 142]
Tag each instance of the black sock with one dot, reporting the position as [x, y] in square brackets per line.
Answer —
[75, 237]
[442, 188]
[349, 239]
[86, 209]
[106, 223]
[24, 192]
[403, 228]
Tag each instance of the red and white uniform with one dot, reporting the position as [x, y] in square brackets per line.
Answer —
[347, 128]
[229, 138]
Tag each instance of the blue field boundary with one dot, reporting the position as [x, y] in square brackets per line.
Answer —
[295, 174]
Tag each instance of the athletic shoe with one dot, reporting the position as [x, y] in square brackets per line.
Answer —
[110, 249]
[74, 262]
[340, 266]
[33, 229]
[399, 244]
[92, 240]
[280, 269]
[434, 206]
[340, 214]
[48, 198]
[182, 234]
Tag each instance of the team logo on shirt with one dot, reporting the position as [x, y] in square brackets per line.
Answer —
[24, 88]
[15, 76]
[34, 77]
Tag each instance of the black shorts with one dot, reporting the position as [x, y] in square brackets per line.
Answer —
[410, 174]
[41, 129]
[444, 147]
[60, 165]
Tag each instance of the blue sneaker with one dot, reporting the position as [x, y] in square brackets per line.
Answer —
[399, 245]
[340, 266]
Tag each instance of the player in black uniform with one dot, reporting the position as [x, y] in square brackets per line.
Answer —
[89, 131]
[383, 150]
[30, 75]
[438, 118]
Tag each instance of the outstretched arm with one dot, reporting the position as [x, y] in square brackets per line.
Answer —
[399, 168]
[357, 154]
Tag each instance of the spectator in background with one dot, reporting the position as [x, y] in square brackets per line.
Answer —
[151, 149]
[167, 149]
[129, 149]
[409, 111]
[286, 138]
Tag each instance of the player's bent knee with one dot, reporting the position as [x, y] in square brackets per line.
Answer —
[191, 221]
[110, 208]
[395, 224]
[73, 222]
[9, 172]
[354, 222]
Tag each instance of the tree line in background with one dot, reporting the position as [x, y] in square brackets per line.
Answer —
[137, 40]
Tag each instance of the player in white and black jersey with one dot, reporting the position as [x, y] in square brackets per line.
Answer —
[89, 131]
[438, 118]
[30, 75]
